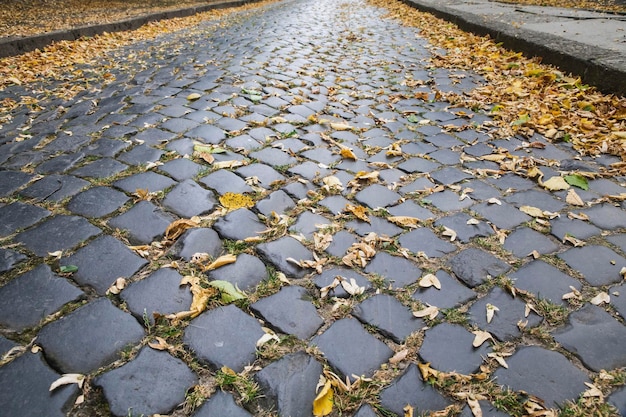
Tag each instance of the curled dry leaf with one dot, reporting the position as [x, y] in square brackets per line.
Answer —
[499, 358]
[117, 286]
[347, 153]
[221, 261]
[394, 149]
[601, 297]
[159, 344]
[577, 243]
[359, 254]
[351, 287]
[332, 184]
[430, 280]
[577, 216]
[267, 336]
[481, 337]
[228, 291]
[532, 211]
[321, 241]
[228, 164]
[408, 410]
[556, 183]
[431, 312]
[359, 211]
[282, 278]
[574, 199]
[494, 200]
[474, 406]
[178, 227]
[323, 402]
[491, 310]
[593, 391]
[473, 222]
[450, 233]
[572, 295]
[405, 221]
[399, 356]
[66, 379]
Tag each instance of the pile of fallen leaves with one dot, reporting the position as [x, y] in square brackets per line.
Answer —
[599, 5]
[522, 95]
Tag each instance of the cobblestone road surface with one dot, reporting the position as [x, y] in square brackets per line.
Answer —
[282, 90]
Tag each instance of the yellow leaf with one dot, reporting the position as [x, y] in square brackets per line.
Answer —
[394, 149]
[234, 201]
[556, 183]
[323, 403]
[194, 96]
[359, 211]
[405, 221]
[341, 126]
[532, 211]
[368, 176]
[408, 410]
[348, 154]
[178, 227]
[221, 261]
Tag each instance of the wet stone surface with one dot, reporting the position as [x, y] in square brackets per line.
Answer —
[280, 106]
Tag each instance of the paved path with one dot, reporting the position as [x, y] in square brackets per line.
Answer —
[281, 91]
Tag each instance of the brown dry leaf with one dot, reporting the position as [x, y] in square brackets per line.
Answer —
[427, 371]
[573, 198]
[408, 410]
[323, 402]
[399, 356]
[430, 280]
[359, 254]
[431, 312]
[534, 254]
[572, 295]
[221, 261]
[481, 337]
[228, 164]
[234, 201]
[370, 177]
[205, 156]
[556, 183]
[495, 157]
[577, 216]
[449, 232]
[405, 221]
[178, 227]
[321, 241]
[475, 407]
[160, 344]
[593, 391]
[200, 298]
[117, 286]
[532, 211]
[347, 153]
[359, 211]
[267, 336]
[394, 149]
[499, 357]
[601, 297]
[491, 311]
[143, 194]
[577, 243]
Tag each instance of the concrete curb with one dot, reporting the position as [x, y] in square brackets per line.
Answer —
[602, 68]
[17, 46]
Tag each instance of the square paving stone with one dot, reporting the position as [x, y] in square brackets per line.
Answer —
[545, 281]
[607, 216]
[504, 216]
[273, 156]
[97, 202]
[410, 389]
[221, 404]
[246, 273]
[59, 164]
[213, 339]
[308, 223]
[425, 240]
[534, 198]
[278, 202]
[465, 231]
[189, 199]
[593, 335]
[289, 311]
[525, 240]
[389, 316]
[182, 169]
[288, 385]
[105, 147]
[618, 298]
[265, 174]
[207, 133]
[327, 277]
[101, 168]
[618, 400]
[154, 382]
[59, 233]
[394, 269]
[178, 125]
[474, 266]
[10, 258]
[10, 181]
[150, 181]
[17, 215]
[543, 373]
[309, 170]
[562, 226]
[377, 195]
[31, 297]
[197, 240]
[598, 264]
[140, 155]
[55, 188]
[223, 181]
[377, 225]
[448, 201]
[90, 337]
[342, 241]
[26, 382]
[418, 164]
[511, 181]
[102, 261]
[335, 203]
[278, 251]
[239, 224]
[451, 294]
[160, 292]
[411, 209]
[459, 356]
[510, 312]
[449, 175]
[350, 349]
[144, 223]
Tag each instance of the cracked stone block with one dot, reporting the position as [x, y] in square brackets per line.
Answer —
[545, 281]
[59, 233]
[9, 258]
[504, 322]
[221, 404]
[154, 382]
[90, 337]
[265, 174]
[223, 181]
[26, 382]
[618, 400]
[410, 389]
[245, 273]
[150, 181]
[328, 276]
[11, 181]
[160, 292]
[474, 266]
[338, 344]
[17, 215]
[144, 223]
[278, 201]
[526, 240]
[543, 373]
[425, 240]
[239, 224]
[197, 240]
[394, 269]
[465, 231]
[97, 202]
[606, 216]
[278, 251]
[290, 311]
[54, 188]
[31, 297]
[389, 316]
[592, 335]
[212, 338]
[182, 169]
[377, 225]
[459, 356]
[188, 199]
[289, 384]
[598, 264]
[451, 294]
[377, 195]
[102, 261]
[101, 168]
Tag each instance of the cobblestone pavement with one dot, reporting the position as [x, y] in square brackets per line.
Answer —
[282, 91]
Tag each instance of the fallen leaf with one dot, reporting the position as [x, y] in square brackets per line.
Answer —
[178, 227]
[194, 96]
[430, 312]
[347, 153]
[532, 211]
[571, 239]
[573, 198]
[430, 280]
[323, 402]
[481, 337]
[449, 232]
[408, 410]
[593, 391]
[341, 126]
[351, 287]
[160, 344]
[234, 201]
[473, 222]
[267, 336]
[601, 297]
[577, 216]
[228, 164]
[405, 221]
[66, 379]
[359, 211]
[491, 310]
[577, 180]
[556, 183]
[494, 200]
[498, 357]
[143, 194]
[574, 294]
[68, 269]
[399, 356]
[394, 149]
[221, 261]
[332, 183]
[229, 292]
[474, 406]
[117, 286]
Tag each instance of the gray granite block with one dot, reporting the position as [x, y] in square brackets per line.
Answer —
[101, 168]
[97, 202]
[9, 258]
[426, 241]
[150, 181]
[389, 316]
[11, 181]
[17, 215]
[188, 199]
[90, 337]
[144, 223]
[239, 224]
[223, 181]
[598, 264]
[377, 195]
[452, 292]
[474, 266]
[545, 281]
[197, 240]
[394, 269]
[221, 404]
[525, 240]
[54, 188]
[279, 251]
[278, 202]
